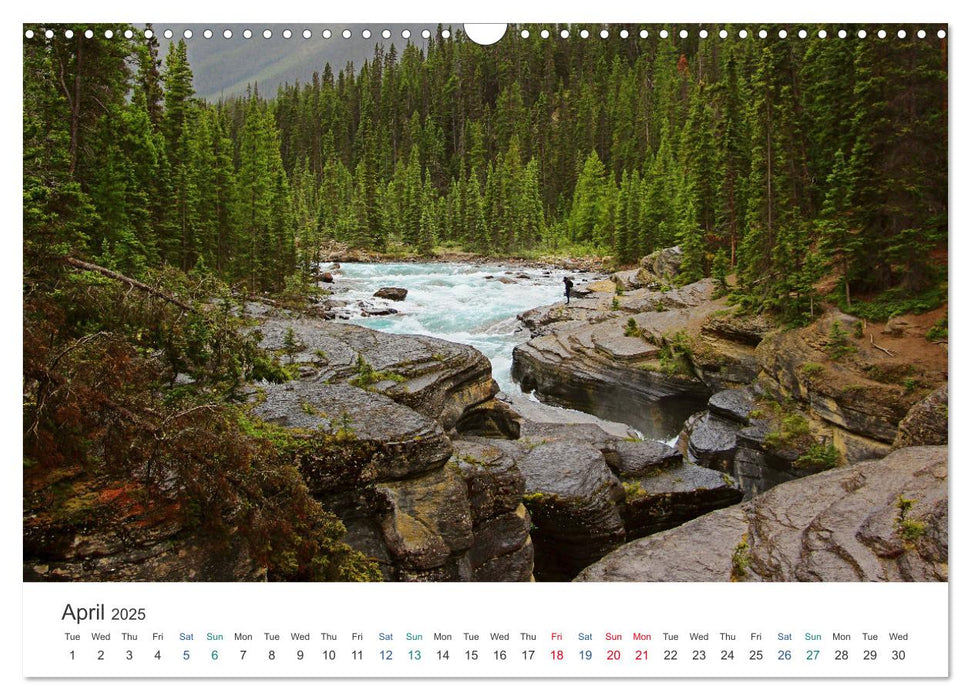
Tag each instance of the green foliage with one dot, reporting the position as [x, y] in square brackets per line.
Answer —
[631, 330]
[898, 302]
[741, 560]
[938, 331]
[114, 425]
[290, 345]
[615, 304]
[910, 529]
[365, 376]
[793, 428]
[819, 457]
[811, 369]
[838, 344]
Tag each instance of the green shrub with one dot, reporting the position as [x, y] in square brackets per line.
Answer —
[938, 331]
[632, 330]
[838, 345]
[819, 457]
[366, 376]
[811, 369]
[909, 529]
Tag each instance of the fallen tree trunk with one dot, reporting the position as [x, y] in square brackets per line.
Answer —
[111, 274]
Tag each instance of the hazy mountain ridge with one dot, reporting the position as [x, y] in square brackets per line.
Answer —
[226, 67]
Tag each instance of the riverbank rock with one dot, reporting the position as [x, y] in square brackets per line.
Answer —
[926, 421]
[437, 378]
[573, 500]
[581, 507]
[880, 520]
[128, 538]
[389, 473]
[860, 397]
[392, 293]
[630, 367]
[502, 549]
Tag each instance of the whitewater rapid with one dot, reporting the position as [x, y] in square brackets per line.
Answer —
[463, 303]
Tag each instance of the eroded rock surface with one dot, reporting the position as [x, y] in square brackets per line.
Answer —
[437, 378]
[845, 524]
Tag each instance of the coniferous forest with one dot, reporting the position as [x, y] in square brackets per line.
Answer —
[785, 160]
[803, 169]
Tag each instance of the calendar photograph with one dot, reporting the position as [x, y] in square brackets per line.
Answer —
[575, 303]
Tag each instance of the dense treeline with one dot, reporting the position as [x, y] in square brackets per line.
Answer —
[784, 160]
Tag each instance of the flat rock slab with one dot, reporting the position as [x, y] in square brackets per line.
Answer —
[843, 524]
[612, 341]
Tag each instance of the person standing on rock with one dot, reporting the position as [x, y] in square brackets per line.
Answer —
[568, 283]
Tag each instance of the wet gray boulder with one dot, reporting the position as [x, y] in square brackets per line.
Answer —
[392, 293]
[640, 458]
[879, 520]
[573, 499]
[673, 494]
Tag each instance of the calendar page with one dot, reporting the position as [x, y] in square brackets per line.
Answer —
[434, 350]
